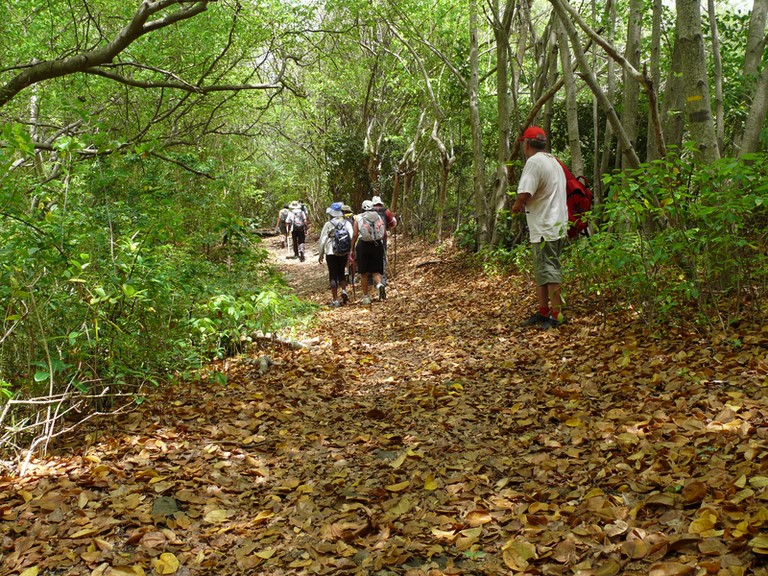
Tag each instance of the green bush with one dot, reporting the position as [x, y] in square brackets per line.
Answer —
[124, 279]
[680, 240]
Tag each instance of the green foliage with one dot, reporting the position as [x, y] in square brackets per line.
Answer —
[466, 234]
[682, 240]
[124, 278]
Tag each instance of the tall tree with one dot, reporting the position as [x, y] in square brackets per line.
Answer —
[717, 66]
[501, 23]
[695, 81]
[571, 104]
[748, 140]
[631, 88]
[478, 155]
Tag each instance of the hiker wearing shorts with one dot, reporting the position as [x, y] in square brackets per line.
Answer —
[282, 225]
[349, 216]
[541, 195]
[390, 221]
[368, 252]
[335, 245]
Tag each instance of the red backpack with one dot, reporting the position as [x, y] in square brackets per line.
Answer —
[578, 196]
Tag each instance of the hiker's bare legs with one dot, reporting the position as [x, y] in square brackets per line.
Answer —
[549, 297]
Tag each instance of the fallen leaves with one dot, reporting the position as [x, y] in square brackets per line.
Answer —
[430, 440]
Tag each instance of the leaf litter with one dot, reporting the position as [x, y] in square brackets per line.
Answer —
[424, 435]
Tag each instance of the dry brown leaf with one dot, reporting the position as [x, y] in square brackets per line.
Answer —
[478, 518]
[517, 553]
[759, 544]
[565, 552]
[670, 569]
[216, 516]
[694, 491]
[609, 567]
[167, 563]
[399, 487]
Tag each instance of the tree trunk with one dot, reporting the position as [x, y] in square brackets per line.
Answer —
[652, 149]
[501, 28]
[571, 105]
[756, 119]
[695, 83]
[446, 161]
[589, 78]
[631, 93]
[608, 138]
[478, 160]
[749, 140]
[717, 65]
[673, 111]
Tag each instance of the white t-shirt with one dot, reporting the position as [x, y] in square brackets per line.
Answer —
[297, 218]
[546, 211]
[325, 244]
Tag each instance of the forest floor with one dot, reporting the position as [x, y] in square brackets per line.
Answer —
[423, 435]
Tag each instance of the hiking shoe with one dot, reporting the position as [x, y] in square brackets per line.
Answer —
[301, 257]
[344, 297]
[382, 292]
[535, 320]
[366, 299]
[335, 304]
[553, 322]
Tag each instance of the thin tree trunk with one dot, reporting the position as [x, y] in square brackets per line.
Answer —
[571, 105]
[748, 140]
[446, 161]
[478, 159]
[589, 78]
[695, 83]
[631, 90]
[652, 150]
[501, 28]
[717, 64]
[756, 119]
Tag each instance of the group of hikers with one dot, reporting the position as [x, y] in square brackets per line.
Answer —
[358, 243]
[350, 244]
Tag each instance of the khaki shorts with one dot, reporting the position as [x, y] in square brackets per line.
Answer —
[546, 261]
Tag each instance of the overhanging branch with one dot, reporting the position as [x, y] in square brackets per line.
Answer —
[180, 84]
[86, 61]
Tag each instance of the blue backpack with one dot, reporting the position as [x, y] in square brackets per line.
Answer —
[342, 243]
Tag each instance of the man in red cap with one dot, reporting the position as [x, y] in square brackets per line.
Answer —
[541, 195]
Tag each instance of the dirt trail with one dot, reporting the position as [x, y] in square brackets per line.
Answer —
[425, 435]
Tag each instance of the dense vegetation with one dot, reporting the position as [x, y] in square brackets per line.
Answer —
[131, 185]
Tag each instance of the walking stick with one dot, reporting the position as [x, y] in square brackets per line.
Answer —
[352, 278]
[394, 260]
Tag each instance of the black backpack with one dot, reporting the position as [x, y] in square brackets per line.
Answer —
[342, 243]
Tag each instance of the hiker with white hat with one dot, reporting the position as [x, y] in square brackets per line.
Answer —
[368, 254]
[298, 223]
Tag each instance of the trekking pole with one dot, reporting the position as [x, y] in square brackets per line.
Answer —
[394, 260]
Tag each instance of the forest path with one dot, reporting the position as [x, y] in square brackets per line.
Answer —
[423, 435]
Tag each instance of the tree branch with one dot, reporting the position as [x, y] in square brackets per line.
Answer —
[180, 84]
[86, 61]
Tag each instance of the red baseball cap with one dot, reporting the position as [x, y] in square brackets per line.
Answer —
[533, 133]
